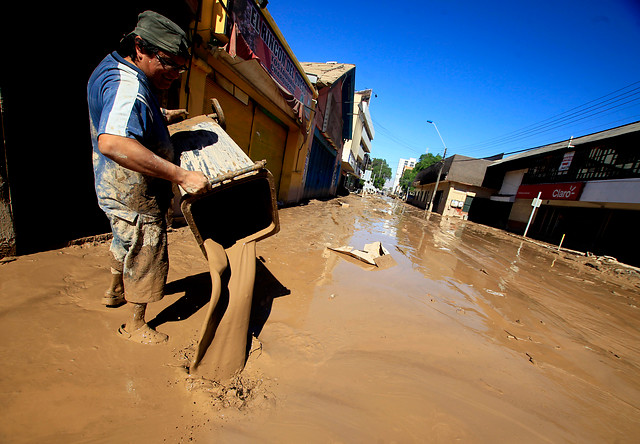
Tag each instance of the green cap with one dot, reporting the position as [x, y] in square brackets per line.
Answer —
[163, 33]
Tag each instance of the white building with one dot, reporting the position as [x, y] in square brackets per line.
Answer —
[403, 164]
[356, 152]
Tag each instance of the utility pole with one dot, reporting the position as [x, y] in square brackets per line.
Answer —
[435, 190]
[380, 170]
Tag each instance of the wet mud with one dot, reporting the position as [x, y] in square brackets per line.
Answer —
[222, 348]
[472, 335]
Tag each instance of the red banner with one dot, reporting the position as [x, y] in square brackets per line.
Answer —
[270, 51]
[551, 191]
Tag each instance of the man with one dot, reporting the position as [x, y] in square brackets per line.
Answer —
[133, 163]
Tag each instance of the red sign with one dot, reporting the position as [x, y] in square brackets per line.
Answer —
[270, 51]
[551, 191]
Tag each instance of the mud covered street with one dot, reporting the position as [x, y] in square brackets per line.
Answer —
[474, 335]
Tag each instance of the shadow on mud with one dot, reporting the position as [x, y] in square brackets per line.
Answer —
[266, 289]
[197, 294]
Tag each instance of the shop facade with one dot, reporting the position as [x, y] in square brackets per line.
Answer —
[589, 191]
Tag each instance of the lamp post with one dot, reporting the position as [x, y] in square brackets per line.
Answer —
[435, 190]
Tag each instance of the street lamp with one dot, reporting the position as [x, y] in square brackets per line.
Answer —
[435, 190]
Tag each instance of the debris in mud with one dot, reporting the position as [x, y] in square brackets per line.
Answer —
[592, 265]
[90, 241]
[628, 272]
[493, 292]
[401, 250]
[373, 254]
[511, 336]
[243, 391]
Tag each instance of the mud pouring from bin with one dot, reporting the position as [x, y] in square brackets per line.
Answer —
[239, 210]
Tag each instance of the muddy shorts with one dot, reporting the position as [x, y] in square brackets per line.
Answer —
[140, 254]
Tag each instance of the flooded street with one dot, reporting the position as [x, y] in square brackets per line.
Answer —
[474, 335]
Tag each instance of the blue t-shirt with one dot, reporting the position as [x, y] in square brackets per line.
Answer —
[122, 103]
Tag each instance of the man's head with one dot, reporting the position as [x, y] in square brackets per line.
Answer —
[158, 47]
[162, 33]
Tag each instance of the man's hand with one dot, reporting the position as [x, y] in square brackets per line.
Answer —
[174, 115]
[194, 182]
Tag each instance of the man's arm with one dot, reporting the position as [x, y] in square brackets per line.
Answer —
[131, 154]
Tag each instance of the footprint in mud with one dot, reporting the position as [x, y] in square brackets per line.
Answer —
[76, 291]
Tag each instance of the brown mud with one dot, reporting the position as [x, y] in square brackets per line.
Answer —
[473, 335]
[227, 321]
[218, 263]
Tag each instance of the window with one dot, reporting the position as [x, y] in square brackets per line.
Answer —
[467, 204]
[603, 162]
[615, 158]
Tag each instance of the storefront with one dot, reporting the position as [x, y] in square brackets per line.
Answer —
[267, 99]
[589, 189]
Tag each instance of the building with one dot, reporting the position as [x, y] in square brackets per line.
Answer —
[403, 164]
[589, 189]
[356, 153]
[242, 59]
[460, 183]
[335, 83]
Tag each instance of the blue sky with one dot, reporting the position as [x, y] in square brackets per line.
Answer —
[495, 76]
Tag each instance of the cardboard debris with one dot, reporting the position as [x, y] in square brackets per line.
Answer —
[373, 254]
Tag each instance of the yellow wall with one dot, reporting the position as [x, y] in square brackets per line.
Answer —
[273, 135]
[257, 119]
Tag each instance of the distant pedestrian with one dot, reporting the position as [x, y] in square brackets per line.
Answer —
[133, 162]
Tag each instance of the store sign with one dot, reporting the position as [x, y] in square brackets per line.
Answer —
[551, 191]
[270, 51]
[566, 161]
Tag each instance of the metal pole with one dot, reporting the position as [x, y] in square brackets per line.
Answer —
[561, 241]
[435, 190]
[533, 211]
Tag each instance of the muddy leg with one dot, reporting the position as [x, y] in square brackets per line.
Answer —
[137, 321]
[117, 285]
[114, 296]
[137, 329]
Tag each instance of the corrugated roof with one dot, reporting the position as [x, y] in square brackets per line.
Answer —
[625, 129]
[328, 73]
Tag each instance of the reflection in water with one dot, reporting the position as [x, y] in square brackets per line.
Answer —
[471, 269]
[468, 314]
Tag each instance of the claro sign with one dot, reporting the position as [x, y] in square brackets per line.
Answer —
[551, 191]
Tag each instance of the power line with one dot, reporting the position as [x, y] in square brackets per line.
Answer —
[568, 113]
[385, 132]
[572, 115]
[556, 125]
[616, 100]
[559, 125]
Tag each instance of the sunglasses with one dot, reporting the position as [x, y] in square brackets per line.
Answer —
[170, 65]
